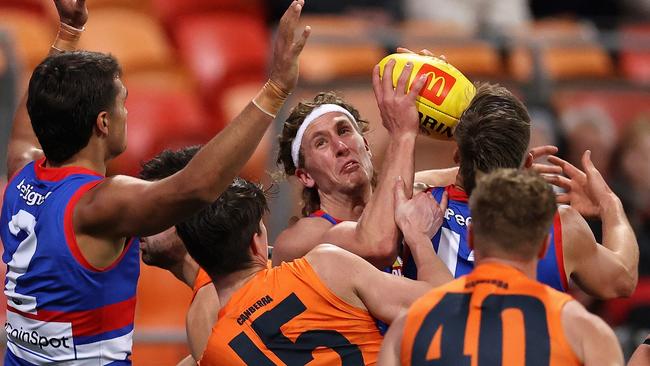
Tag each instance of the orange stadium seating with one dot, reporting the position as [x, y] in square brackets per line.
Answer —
[222, 50]
[160, 119]
[142, 45]
[169, 11]
[33, 35]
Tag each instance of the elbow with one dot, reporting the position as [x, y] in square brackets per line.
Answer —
[627, 283]
[383, 254]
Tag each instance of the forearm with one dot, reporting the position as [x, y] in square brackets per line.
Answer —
[377, 226]
[213, 168]
[23, 145]
[430, 268]
[618, 235]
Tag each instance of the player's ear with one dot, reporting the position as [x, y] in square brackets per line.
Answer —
[102, 123]
[544, 247]
[305, 178]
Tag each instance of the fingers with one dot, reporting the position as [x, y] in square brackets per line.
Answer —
[417, 86]
[563, 199]
[558, 180]
[376, 84]
[404, 50]
[289, 20]
[544, 150]
[568, 168]
[387, 78]
[425, 52]
[444, 201]
[298, 46]
[403, 78]
[546, 169]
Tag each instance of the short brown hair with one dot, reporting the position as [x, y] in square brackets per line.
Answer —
[290, 128]
[512, 211]
[493, 132]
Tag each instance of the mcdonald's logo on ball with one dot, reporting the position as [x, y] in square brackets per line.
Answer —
[444, 97]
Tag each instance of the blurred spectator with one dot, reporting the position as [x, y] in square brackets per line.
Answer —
[543, 128]
[632, 184]
[492, 16]
[589, 127]
[8, 96]
[381, 10]
[637, 9]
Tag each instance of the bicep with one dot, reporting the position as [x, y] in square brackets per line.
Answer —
[386, 295]
[346, 235]
[201, 316]
[124, 206]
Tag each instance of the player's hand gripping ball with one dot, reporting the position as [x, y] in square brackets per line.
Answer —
[444, 97]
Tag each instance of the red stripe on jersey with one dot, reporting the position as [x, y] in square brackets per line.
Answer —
[456, 194]
[56, 174]
[89, 322]
[559, 250]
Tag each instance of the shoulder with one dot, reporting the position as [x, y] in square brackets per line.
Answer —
[576, 234]
[298, 239]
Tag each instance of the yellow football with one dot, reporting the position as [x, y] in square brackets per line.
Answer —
[443, 98]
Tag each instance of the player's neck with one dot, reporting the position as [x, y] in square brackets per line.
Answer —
[528, 268]
[459, 182]
[88, 157]
[343, 206]
[227, 285]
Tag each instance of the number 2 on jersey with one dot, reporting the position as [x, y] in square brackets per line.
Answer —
[25, 222]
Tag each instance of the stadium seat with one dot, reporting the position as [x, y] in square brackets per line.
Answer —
[169, 11]
[567, 50]
[471, 56]
[232, 101]
[580, 60]
[32, 34]
[223, 50]
[635, 53]
[160, 119]
[325, 26]
[36, 7]
[142, 5]
[327, 61]
[622, 105]
[160, 318]
[135, 38]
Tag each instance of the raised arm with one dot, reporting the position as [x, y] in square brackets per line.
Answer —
[375, 235]
[23, 146]
[609, 270]
[124, 206]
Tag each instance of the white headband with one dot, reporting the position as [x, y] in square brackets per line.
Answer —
[317, 112]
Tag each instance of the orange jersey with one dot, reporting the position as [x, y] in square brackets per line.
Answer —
[287, 316]
[202, 279]
[493, 316]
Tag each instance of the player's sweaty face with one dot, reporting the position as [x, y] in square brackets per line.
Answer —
[336, 155]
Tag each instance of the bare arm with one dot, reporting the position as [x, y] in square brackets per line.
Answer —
[592, 340]
[609, 270]
[200, 319]
[357, 282]
[375, 236]
[391, 348]
[123, 206]
[23, 146]
[298, 239]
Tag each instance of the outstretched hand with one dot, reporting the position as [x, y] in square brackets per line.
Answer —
[72, 12]
[585, 190]
[284, 68]
[399, 113]
[419, 215]
[541, 152]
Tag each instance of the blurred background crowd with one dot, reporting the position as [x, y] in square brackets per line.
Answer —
[581, 66]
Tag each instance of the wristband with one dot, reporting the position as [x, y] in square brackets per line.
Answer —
[67, 38]
[270, 99]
